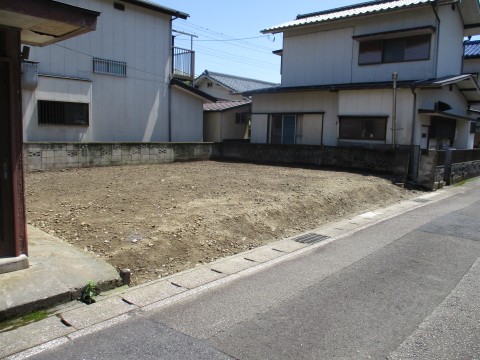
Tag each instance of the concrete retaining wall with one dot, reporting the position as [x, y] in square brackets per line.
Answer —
[383, 160]
[47, 156]
[435, 169]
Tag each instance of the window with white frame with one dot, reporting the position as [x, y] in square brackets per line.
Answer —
[109, 67]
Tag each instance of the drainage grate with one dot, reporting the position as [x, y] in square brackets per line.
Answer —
[421, 200]
[310, 238]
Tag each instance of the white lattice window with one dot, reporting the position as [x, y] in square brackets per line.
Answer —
[109, 67]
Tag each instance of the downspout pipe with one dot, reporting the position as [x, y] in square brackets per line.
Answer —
[434, 8]
[170, 76]
[394, 108]
[414, 161]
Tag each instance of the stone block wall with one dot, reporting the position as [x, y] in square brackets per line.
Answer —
[383, 160]
[48, 156]
[463, 171]
[439, 168]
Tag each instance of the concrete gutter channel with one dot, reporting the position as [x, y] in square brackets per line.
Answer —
[76, 319]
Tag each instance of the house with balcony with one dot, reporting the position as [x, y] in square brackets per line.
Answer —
[125, 82]
[376, 74]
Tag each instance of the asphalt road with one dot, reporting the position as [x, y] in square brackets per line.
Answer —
[405, 288]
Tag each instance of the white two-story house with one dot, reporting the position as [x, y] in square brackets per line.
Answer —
[338, 67]
[121, 83]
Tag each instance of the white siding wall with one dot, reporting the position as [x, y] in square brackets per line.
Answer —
[454, 98]
[322, 57]
[427, 99]
[312, 129]
[134, 108]
[212, 126]
[327, 54]
[450, 47]
[57, 90]
[298, 102]
[406, 19]
[259, 129]
[379, 103]
[230, 129]
[463, 139]
[216, 90]
[187, 116]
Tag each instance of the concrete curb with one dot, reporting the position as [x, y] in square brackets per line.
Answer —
[122, 305]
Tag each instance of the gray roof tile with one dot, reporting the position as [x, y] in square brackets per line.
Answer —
[224, 105]
[237, 84]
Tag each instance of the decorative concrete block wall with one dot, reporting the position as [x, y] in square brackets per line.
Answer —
[47, 156]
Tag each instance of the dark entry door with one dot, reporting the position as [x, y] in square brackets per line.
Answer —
[7, 243]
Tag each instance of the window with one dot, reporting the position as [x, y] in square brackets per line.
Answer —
[62, 113]
[242, 118]
[362, 128]
[118, 6]
[402, 49]
[109, 67]
[283, 129]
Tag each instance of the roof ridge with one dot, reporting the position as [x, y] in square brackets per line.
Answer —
[360, 9]
[342, 8]
[237, 77]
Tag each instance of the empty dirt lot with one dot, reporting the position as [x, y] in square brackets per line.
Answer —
[160, 219]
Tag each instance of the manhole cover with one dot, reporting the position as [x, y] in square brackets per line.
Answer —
[310, 238]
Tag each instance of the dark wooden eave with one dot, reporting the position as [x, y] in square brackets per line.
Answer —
[43, 22]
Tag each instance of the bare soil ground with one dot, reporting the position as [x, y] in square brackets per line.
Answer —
[160, 219]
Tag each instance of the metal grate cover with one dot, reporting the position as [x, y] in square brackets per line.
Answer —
[310, 238]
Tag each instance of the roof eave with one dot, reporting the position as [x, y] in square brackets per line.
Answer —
[158, 8]
[192, 90]
[275, 30]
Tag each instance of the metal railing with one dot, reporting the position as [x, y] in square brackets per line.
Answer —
[183, 64]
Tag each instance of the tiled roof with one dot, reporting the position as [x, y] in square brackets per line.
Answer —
[224, 105]
[236, 83]
[472, 49]
[348, 11]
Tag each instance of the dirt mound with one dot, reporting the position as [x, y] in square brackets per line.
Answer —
[160, 219]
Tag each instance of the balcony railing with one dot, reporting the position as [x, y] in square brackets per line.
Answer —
[183, 64]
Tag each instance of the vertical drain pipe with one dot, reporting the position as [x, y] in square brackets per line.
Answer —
[394, 107]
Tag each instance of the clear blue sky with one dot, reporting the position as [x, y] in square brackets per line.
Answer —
[217, 22]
